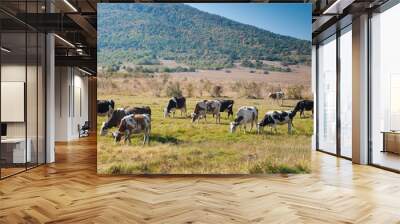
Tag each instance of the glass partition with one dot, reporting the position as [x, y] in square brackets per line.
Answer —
[327, 95]
[22, 77]
[15, 152]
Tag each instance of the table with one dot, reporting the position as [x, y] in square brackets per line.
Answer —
[391, 141]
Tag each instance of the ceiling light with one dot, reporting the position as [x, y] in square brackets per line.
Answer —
[332, 7]
[65, 41]
[337, 7]
[79, 51]
[5, 50]
[70, 5]
[86, 72]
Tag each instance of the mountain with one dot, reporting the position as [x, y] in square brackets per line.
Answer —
[145, 33]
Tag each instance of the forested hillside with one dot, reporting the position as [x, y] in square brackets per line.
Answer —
[145, 33]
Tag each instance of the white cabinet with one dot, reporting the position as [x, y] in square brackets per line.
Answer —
[17, 147]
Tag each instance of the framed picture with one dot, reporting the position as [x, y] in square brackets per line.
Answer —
[204, 88]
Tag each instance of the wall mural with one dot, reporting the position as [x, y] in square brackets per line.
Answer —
[203, 89]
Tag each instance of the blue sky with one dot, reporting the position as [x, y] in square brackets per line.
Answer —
[287, 19]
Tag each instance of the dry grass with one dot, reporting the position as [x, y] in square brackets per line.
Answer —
[180, 147]
[235, 82]
[160, 86]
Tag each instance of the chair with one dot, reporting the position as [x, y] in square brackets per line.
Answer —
[84, 130]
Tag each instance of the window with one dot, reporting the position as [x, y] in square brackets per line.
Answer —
[327, 95]
[385, 88]
[22, 77]
[346, 92]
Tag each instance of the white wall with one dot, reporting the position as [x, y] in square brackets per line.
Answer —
[70, 83]
[33, 126]
[14, 72]
[61, 104]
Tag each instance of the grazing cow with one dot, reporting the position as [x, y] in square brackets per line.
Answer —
[134, 124]
[245, 115]
[277, 96]
[304, 105]
[273, 118]
[207, 106]
[227, 106]
[175, 103]
[139, 110]
[200, 111]
[105, 107]
[115, 119]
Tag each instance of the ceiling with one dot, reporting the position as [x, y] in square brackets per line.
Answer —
[73, 21]
[330, 15]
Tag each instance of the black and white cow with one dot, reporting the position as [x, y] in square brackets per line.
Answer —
[244, 116]
[200, 111]
[227, 106]
[304, 105]
[277, 96]
[134, 124]
[139, 110]
[274, 118]
[207, 106]
[115, 119]
[175, 103]
[105, 107]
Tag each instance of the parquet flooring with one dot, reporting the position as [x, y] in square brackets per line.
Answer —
[70, 191]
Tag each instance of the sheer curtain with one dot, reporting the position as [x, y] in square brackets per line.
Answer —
[327, 95]
[346, 92]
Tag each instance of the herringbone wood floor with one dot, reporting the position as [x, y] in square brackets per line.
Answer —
[69, 191]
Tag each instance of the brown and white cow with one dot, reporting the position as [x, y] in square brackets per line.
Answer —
[207, 106]
[115, 119]
[134, 124]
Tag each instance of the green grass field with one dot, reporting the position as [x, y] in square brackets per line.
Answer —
[178, 146]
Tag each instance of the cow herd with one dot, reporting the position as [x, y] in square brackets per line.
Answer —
[133, 120]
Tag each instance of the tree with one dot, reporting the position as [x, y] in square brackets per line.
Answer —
[129, 69]
[207, 86]
[174, 89]
[189, 90]
[156, 86]
[216, 91]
